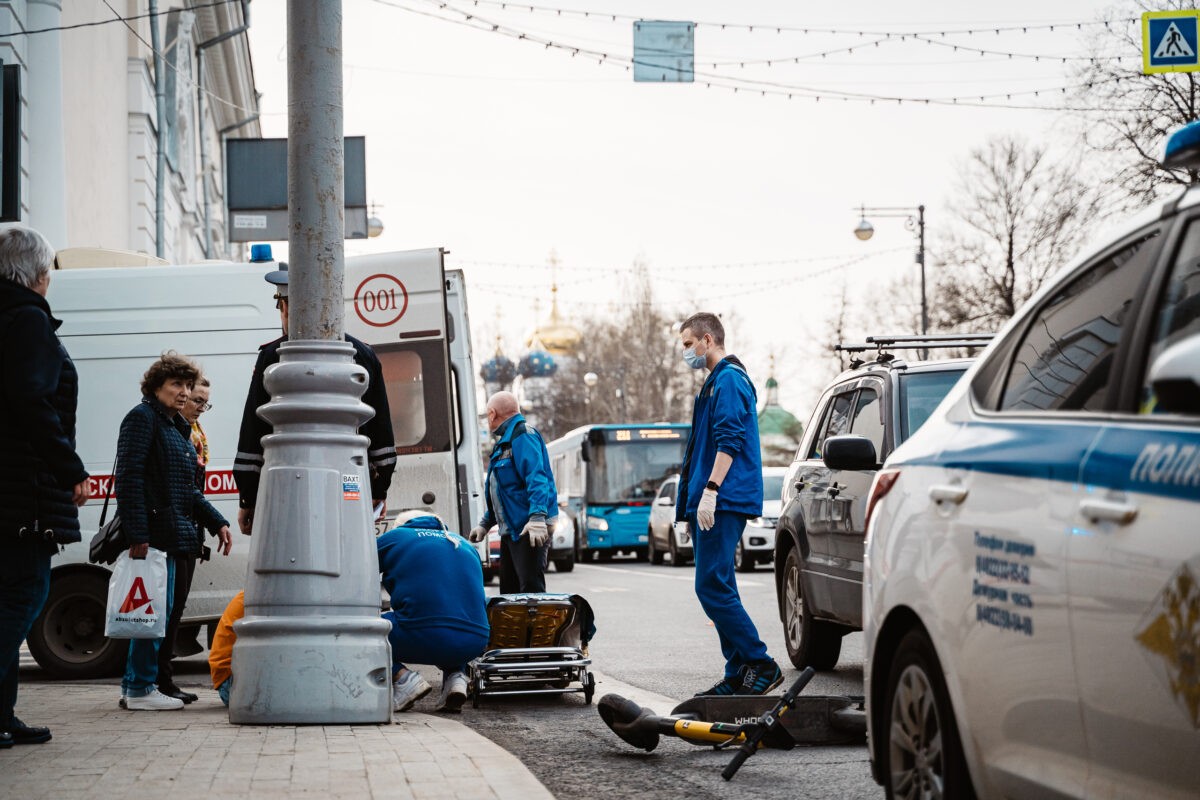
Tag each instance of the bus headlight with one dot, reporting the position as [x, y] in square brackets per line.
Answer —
[597, 524]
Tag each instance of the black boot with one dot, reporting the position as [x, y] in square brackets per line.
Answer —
[27, 734]
[171, 690]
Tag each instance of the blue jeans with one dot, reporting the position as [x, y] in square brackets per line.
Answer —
[716, 588]
[24, 584]
[447, 648]
[141, 668]
[224, 689]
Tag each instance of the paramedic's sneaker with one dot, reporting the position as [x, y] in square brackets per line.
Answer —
[761, 678]
[155, 701]
[454, 692]
[408, 689]
[725, 686]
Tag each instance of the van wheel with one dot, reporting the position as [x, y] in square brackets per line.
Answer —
[922, 753]
[565, 564]
[656, 555]
[810, 642]
[67, 638]
[677, 560]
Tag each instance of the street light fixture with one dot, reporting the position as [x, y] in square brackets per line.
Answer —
[914, 220]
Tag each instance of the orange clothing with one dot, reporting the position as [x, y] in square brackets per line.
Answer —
[220, 655]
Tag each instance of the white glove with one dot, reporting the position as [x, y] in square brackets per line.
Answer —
[537, 532]
[707, 510]
[477, 534]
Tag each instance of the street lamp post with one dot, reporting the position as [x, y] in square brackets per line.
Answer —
[914, 219]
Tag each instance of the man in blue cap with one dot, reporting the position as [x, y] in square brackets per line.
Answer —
[247, 465]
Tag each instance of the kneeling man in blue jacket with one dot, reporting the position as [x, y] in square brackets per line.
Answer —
[439, 611]
[720, 487]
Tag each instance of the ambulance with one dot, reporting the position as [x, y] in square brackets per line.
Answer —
[1032, 573]
[118, 319]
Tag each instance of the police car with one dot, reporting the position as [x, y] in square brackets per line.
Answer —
[1032, 574]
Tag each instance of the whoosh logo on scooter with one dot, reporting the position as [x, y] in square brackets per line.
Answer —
[137, 597]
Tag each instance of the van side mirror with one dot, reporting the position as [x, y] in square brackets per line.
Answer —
[665, 500]
[851, 452]
[1175, 377]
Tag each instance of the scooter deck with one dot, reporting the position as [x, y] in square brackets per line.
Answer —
[814, 720]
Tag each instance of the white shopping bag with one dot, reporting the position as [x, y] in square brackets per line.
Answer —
[137, 597]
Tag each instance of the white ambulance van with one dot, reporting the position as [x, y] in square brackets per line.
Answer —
[117, 320]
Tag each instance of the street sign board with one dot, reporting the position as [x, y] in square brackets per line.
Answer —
[1170, 41]
[664, 52]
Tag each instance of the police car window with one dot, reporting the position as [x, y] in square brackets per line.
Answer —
[1178, 313]
[669, 490]
[867, 420]
[837, 421]
[1065, 359]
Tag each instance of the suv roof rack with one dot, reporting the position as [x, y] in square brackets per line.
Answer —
[930, 341]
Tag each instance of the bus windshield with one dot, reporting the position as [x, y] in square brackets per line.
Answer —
[625, 472]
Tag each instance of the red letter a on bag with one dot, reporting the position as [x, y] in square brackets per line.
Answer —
[137, 597]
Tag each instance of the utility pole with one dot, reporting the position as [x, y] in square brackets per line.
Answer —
[312, 647]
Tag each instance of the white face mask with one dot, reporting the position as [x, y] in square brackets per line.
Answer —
[691, 358]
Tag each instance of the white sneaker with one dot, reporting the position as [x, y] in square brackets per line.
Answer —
[408, 689]
[454, 692]
[155, 701]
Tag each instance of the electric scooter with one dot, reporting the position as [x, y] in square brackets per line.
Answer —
[642, 728]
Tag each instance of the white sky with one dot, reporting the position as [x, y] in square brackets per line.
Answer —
[503, 150]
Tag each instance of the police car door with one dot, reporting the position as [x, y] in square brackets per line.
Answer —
[1013, 498]
[1135, 565]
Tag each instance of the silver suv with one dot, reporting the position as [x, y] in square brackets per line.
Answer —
[864, 414]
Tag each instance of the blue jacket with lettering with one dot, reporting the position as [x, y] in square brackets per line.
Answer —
[519, 470]
[434, 578]
[724, 420]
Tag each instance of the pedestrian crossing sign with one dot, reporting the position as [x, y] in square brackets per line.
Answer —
[1170, 42]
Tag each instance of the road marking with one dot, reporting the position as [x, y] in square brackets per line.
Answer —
[655, 574]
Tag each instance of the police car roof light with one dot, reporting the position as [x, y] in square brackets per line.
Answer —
[1183, 148]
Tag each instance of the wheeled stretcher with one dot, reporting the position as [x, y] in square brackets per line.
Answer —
[538, 645]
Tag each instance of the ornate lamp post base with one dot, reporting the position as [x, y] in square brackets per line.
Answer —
[312, 647]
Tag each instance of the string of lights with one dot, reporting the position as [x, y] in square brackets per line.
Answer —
[771, 28]
[763, 88]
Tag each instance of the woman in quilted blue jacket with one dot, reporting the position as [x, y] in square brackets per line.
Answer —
[160, 507]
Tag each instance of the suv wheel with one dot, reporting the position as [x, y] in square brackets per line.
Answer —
[922, 754]
[656, 555]
[810, 642]
[742, 561]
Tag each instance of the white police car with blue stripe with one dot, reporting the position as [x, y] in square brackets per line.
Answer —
[1032, 574]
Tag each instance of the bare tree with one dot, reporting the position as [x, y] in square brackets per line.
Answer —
[1129, 114]
[1020, 216]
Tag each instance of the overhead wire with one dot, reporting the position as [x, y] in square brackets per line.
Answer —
[119, 18]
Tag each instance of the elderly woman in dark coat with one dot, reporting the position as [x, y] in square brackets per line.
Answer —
[160, 504]
[42, 479]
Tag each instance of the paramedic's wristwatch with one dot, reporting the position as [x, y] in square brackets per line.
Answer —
[713, 485]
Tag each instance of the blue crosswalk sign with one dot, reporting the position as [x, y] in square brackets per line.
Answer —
[1170, 41]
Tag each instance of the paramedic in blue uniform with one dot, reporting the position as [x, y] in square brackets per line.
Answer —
[247, 465]
[521, 499]
[439, 611]
[719, 489]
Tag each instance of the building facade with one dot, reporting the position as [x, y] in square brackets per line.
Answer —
[90, 121]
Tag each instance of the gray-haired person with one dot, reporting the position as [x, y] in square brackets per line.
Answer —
[42, 479]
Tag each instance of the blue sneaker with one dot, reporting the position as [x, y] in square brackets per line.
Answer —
[760, 678]
[725, 686]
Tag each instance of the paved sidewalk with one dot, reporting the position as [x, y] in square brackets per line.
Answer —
[100, 750]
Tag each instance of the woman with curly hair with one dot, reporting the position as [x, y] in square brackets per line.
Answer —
[160, 506]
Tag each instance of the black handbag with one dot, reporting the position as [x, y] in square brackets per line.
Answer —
[109, 541]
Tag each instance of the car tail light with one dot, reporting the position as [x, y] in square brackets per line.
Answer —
[885, 479]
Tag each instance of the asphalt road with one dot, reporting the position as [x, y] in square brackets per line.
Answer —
[653, 643]
[653, 636]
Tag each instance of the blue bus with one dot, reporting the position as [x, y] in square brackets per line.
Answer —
[607, 476]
